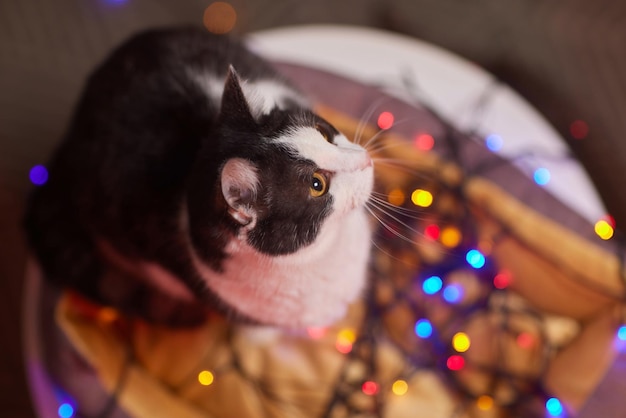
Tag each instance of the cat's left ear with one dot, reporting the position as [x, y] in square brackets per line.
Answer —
[240, 182]
[235, 110]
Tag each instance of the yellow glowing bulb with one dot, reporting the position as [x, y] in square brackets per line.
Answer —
[461, 342]
[205, 377]
[347, 336]
[450, 236]
[484, 403]
[422, 198]
[604, 229]
[396, 197]
[399, 387]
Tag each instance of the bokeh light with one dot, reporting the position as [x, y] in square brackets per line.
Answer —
[107, 315]
[316, 332]
[205, 378]
[579, 129]
[484, 402]
[525, 340]
[385, 120]
[541, 176]
[502, 280]
[621, 333]
[604, 229]
[396, 197]
[38, 175]
[461, 342]
[455, 362]
[422, 198]
[424, 142]
[432, 285]
[423, 328]
[370, 388]
[554, 407]
[432, 232]
[494, 142]
[219, 17]
[450, 236]
[65, 410]
[453, 293]
[400, 387]
[475, 259]
[345, 338]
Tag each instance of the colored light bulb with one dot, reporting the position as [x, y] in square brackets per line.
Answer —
[461, 342]
[385, 120]
[400, 387]
[432, 285]
[475, 259]
[423, 328]
[554, 407]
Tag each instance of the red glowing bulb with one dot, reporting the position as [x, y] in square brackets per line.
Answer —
[424, 142]
[370, 388]
[432, 232]
[455, 362]
[502, 280]
[579, 129]
[385, 120]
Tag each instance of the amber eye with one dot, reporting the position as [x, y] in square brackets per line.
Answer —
[325, 132]
[319, 185]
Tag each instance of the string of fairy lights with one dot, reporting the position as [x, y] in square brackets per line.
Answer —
[466, 283]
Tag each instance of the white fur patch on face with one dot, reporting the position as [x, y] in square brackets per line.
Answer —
[350, 164]
[343, 155]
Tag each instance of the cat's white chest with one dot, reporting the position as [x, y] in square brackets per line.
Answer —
[310, 288]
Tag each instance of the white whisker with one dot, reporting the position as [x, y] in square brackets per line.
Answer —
[411, 213]
[395, 124]
[394, 217]
[365, 119]
[396, 164]
[389, 228]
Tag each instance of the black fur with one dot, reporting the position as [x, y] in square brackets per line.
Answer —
[146, 142]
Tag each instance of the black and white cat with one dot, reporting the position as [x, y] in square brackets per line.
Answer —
[183, 183]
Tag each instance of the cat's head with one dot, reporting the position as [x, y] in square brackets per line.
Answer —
[284, 172]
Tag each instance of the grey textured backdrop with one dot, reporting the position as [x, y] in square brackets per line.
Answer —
[566, 57]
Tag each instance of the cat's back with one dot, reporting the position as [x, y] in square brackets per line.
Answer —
[145, 111]
[138, 127]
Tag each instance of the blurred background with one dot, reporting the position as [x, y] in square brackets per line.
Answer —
[565, 57]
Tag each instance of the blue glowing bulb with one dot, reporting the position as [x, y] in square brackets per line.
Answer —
[541, 176]
[38, 175]
[475, 259]
[554, 407]
[66, 411]
[452, 293]
[493, 142]
[432, 285]
[423, 328]
[621, 333]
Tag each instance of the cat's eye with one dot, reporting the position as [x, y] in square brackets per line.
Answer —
[325, 132]
[319, 185]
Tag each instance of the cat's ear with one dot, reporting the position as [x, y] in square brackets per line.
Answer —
[240, 182]
[235, 110]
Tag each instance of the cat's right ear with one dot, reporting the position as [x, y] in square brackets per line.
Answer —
[235, 110]
[239, 181]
